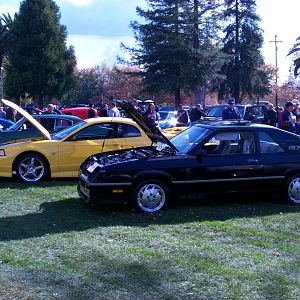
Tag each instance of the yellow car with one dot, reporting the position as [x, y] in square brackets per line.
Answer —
[60, 155]
[172, 131]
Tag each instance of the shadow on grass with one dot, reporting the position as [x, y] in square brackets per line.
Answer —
[14, 184]
[72, 215]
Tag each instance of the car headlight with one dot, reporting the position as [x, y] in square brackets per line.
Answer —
[2, 152]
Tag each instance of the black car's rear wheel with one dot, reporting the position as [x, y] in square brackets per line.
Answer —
[292, 189]
[31, 168]
[151, 196]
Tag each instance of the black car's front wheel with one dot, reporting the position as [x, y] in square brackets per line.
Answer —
[151, 196]
[292, 189]
[31, 168]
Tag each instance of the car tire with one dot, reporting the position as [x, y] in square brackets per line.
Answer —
[151, 196]
[31, 168]
[292, 190]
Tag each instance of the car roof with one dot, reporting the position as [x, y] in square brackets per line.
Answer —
[110, 119]
[229, 124]
[56, 116]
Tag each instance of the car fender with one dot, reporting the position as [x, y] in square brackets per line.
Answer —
[291, 171]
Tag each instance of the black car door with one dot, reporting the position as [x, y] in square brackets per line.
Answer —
[227, 161]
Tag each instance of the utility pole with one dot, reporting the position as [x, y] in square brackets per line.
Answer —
[1, 82]
[276, 70]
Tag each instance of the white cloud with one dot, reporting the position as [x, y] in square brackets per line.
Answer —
[92, 50]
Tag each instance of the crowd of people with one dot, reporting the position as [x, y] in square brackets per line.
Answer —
[287, 118]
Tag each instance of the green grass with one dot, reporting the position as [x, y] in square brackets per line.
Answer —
[52, 246]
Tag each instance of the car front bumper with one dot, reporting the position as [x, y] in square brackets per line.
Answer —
[103, 192]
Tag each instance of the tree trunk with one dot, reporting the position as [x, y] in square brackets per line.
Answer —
[38, 99]
[200, 96]
[177, 98]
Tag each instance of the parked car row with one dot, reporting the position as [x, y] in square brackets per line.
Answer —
[129, 159]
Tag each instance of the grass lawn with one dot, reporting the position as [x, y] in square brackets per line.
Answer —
[54, 247]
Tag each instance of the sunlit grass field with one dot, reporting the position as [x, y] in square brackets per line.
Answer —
[52, 246]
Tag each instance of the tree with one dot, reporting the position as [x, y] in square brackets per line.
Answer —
[166, 52]
[296, 50]
[6, 36]
[40, 63]
[124, 83]
[242, 43]
[88, 87]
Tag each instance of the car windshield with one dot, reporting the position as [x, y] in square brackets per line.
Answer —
[63, 133]
[217, 111]
[16, 125]
[164, 115]
[187, 139]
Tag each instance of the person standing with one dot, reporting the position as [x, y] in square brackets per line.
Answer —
[152, 114]
[11, 114]
[231, 112]
[181, 116]
[296, 114]
[49, 123]
[104, 111]
[2, 113]
[271, 115]
[286, 119]
[114, 111]
[50, 110]
[91, 111]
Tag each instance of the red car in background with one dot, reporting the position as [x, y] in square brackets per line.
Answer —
[81, 112]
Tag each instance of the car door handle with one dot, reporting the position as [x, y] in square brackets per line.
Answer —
[252, 160]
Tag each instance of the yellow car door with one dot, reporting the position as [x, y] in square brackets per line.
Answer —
[92, 139]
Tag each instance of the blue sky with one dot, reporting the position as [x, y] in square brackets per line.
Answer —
[97, 27]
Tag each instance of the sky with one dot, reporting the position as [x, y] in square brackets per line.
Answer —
[97, 27]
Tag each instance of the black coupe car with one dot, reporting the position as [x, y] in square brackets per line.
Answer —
[207, 158]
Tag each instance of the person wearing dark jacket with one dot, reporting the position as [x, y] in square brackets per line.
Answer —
[271, 115]
[296, 114]
[231, 112]
[286, 119]
[196, 113]
[181, 117]
[91, 111]
[104, 111]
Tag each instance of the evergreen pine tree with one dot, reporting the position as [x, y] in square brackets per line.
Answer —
[40, 63]
[242, 43]
[167, 54]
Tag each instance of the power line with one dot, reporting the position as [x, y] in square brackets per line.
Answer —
[101, 35]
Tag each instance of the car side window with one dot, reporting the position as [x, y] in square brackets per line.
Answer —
[267, 144]
[230, 143]
[94, 132]
[62, 124]
[128, 131]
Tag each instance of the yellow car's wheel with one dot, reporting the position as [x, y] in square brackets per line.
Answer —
[31, 168]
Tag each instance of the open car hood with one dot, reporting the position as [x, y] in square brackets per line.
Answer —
[29, 118]
[152, 132]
